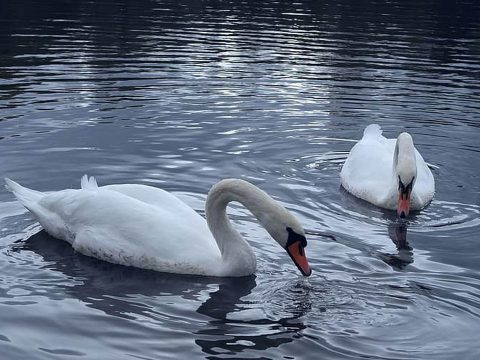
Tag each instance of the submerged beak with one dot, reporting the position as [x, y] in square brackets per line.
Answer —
[403, 207]
[297, 253]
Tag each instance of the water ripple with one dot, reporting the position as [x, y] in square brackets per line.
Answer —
[181, 94]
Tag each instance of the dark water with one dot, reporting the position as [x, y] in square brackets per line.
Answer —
[180, 94]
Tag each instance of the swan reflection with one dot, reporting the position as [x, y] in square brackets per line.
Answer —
[227, 320]
[358, 209]
[397, 231]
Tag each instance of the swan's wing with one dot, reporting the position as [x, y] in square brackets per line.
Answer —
[159, 198]
[117, 228]
[424, 187]
[367, 172]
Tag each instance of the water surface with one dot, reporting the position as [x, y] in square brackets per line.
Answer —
[181, 94]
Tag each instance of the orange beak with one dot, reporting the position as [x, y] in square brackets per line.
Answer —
[403, 207]
[297, 253]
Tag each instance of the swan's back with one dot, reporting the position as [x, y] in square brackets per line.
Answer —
[368, 166]
[134, 225]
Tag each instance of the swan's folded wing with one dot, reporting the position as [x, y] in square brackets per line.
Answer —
[367, 172]
[424, 188]
[120, 229]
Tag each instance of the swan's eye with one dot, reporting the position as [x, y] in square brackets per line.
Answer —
[293, 237]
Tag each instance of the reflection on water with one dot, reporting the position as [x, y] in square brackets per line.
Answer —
[396, 228]
[121, 292]
[179, 94]
[397, 231]
[229, 336]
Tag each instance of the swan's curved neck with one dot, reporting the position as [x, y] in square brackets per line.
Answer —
[404, 162]
[235, 250]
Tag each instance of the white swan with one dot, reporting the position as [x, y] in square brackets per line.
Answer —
[146, 227]
[389, 173]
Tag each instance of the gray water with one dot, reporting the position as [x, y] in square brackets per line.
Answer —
[180, 94]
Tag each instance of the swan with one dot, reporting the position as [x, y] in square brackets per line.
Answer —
[389, 173]
[147, 227]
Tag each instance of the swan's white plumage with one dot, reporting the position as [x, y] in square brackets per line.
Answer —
[127, 224]
[147, 227]
[368, 173]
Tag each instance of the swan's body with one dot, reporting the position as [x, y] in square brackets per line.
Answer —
[377, 169]
[146, 227]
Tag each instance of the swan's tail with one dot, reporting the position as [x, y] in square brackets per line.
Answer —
[88, 183]
[26, 196]
[372, 130]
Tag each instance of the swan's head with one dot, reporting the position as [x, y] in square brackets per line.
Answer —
[282, 226]
[406, 172]
[288, 232]
[295, 246]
